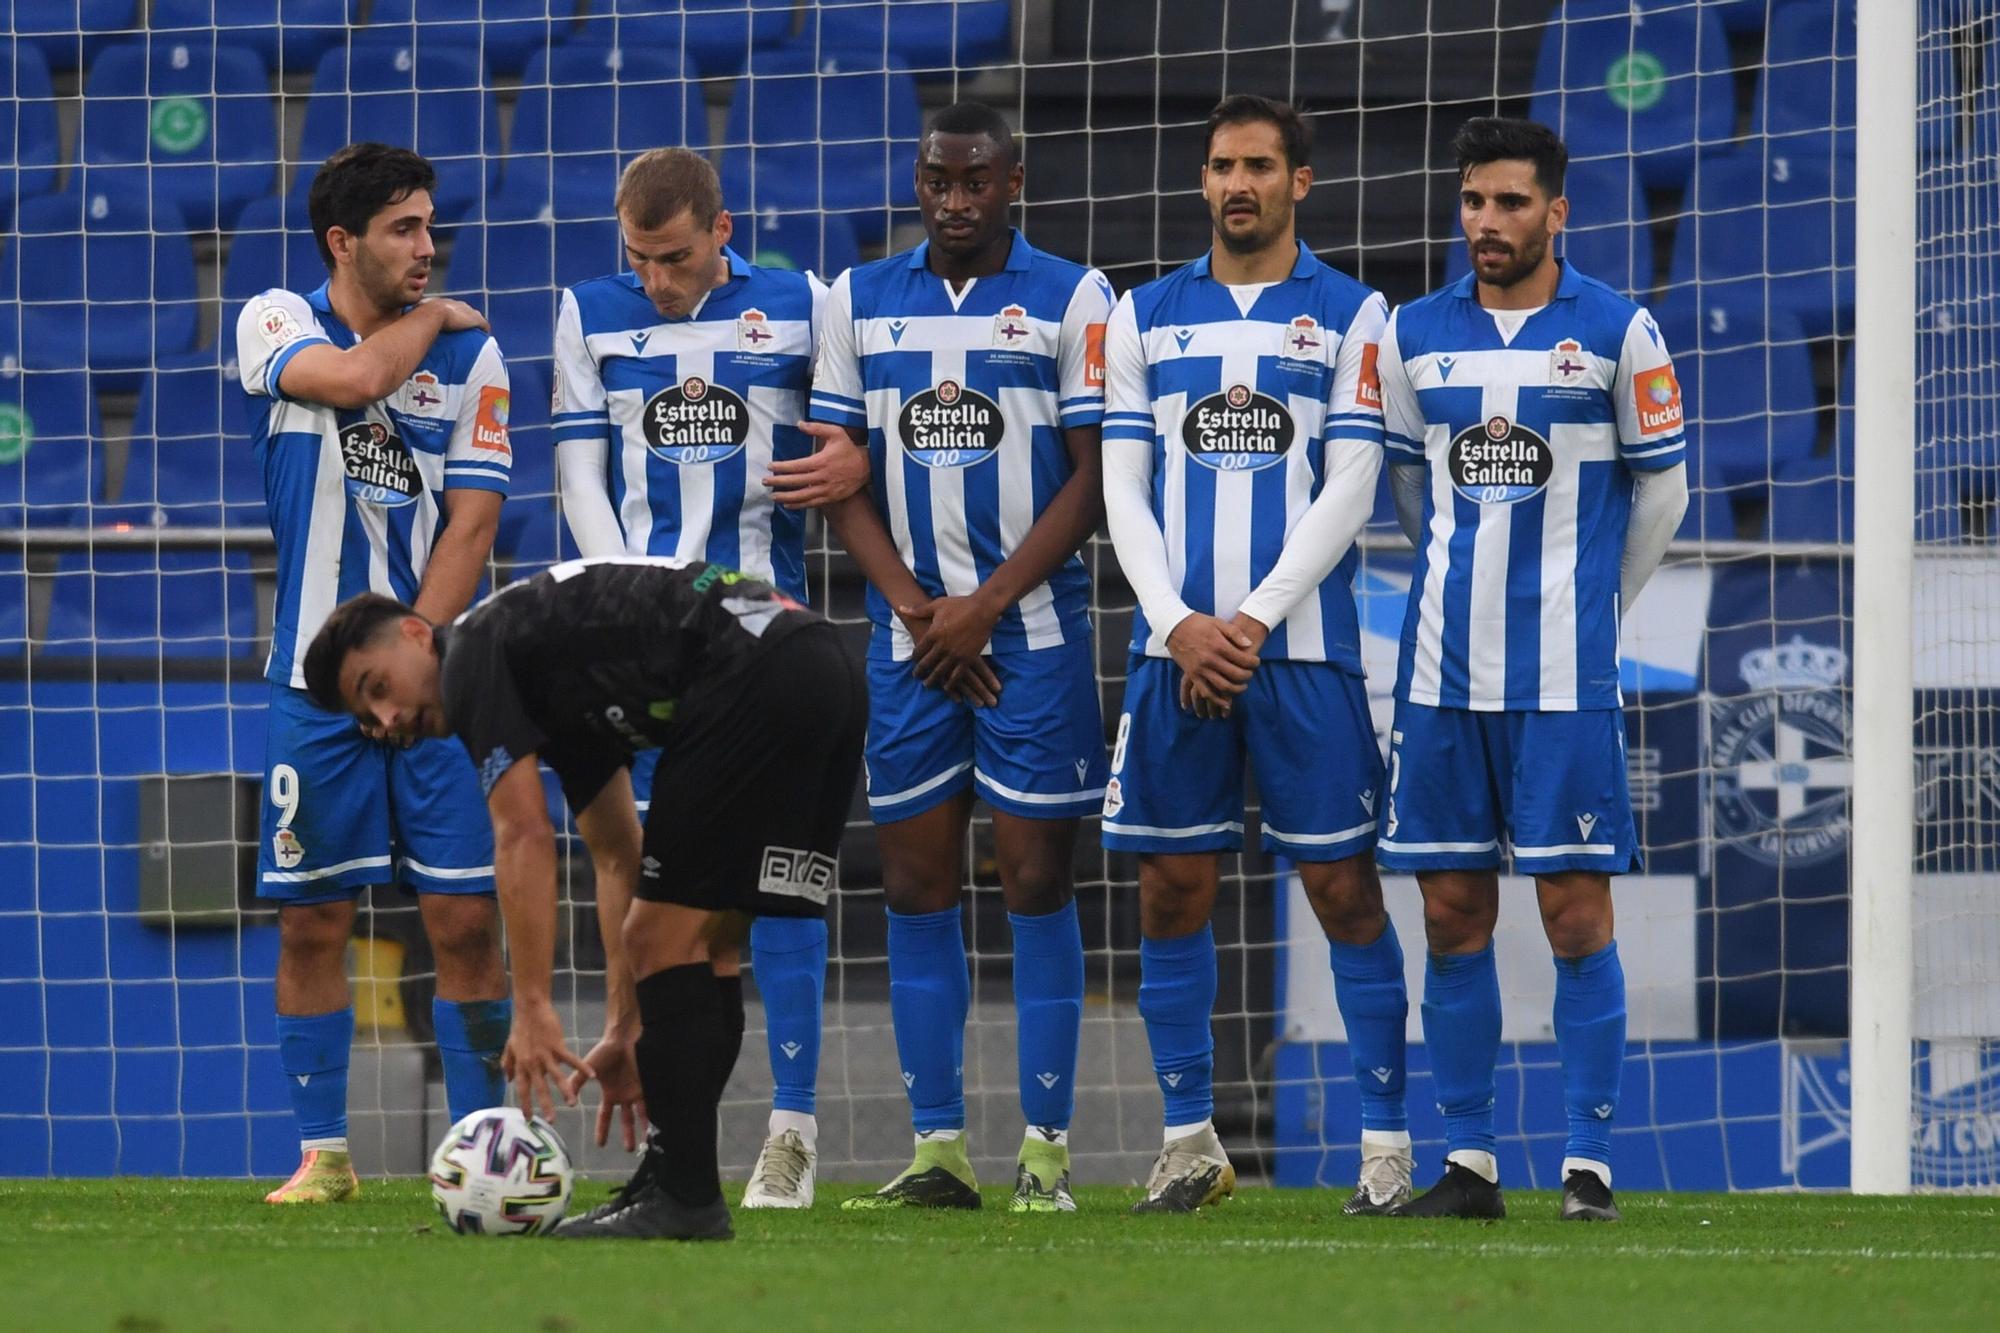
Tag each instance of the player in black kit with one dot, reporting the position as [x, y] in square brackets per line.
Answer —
[759, 711]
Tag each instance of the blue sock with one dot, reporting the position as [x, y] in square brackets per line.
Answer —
[1375, 1007]
[313, 1053]
[1590, 1034]
[788, 956]
[930, 992]
[1177, 999]
[1462, 1029]
[1048, 1012]
[471, 1034]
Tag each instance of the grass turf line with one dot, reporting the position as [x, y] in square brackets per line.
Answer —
[139, 1255]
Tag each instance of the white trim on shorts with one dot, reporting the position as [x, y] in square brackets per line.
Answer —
[911, 793]
[1569, 849]
[1035, 798]
[324, 872]
[1440, 848]
[1191, 831]
[1319, 839]
[468, 872]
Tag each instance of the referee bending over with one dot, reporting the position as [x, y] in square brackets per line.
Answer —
[759, 712]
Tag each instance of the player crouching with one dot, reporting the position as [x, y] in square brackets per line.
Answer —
[758, 710]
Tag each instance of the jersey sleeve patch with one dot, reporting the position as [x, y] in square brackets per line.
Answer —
[277, 324]
[1093, 355]
[1656, 396]
[1368, 388]
[489, 425]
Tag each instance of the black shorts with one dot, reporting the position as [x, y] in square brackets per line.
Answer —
[750, 800]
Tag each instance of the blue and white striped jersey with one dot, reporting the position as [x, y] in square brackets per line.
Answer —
[965, 396]
[1241, 393]
[695, 410]
[1529, 442]
[356, 497]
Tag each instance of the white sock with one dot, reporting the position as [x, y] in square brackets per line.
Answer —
[1602, 1170]
[940, 1135]
[1472, 1159]
[1043, 1134]
[322, 1145]
[1189, 1131]
[1391, 1140]
[807, 1127]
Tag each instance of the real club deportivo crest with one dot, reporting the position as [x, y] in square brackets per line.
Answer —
[1302, 340]
[753, 332]
[1566, 363]
[1011, 328]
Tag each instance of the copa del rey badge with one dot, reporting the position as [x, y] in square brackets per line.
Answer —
[1303, 339]
[753, 332]
[1566, 363]
[1011, 327]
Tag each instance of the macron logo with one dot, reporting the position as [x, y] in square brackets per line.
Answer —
[909, 1079]
[1584, 824]
[1602, 1112]
[639, 341]
[1368, 800]
[303, 1079]
[1048, 1080]
[1383, 1074]
[1171, 1080]
[896, 327]
[1184, 337]
[791, 1050]
[1446, 364]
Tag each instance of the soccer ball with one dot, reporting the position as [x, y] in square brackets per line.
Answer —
[500, 1173]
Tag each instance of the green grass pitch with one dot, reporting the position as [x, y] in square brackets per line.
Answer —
[134, 1256]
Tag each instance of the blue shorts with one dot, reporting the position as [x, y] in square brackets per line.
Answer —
[1552, 785]
[1177, 779]
[341, 812]
[1038, 753]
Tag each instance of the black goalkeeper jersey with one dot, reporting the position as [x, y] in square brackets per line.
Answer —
[604, 651]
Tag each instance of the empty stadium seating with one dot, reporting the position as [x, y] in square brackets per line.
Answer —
[822, 242]
[520, 266]
[188, 119]
[28, 133]
[813, 132]
[714, 37]
[1645, 77]
[51, 458]
[931, 39]
[273, 247]
[191, 464]
[506, 33]
[105, 282]
[288, 35]
[69, 32]
[583, 111]
[136, 603]
[1746, 387]
[431, 97]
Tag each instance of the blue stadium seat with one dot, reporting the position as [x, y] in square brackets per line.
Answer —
[1746, 387]
[713, 37]
[288, 35]
[532, 537]
[273, 247]
[534, 471]
[51, 447]
[13, 605]
[1740, 15]
[584, 111]
[1646, 77]
[1812, 500]
[1773, 224]
[1808, 72]
[506, 33]
[1710, 515]
[1609, 236]
[822, 242]
[113, 603]
[188, 119]
[191, 463]
[930, 37]
[513, 270]
[1958, 409]
[106, 283]
[822, 136]
[429, 97]
[69, 32]
[29, 143]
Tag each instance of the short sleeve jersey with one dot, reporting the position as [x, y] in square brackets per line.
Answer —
[695, 410]
[1240, 410]
[356, 496]
[601, 651]
[965, 395]
[1529, 444]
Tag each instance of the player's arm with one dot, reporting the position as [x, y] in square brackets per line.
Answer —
[477, 467]
[1652, 443]
[1402, 434]
[961, 626]
[611, 833]
[581, 424]
[376, 366]
[1215, 661]
[524, 873]
[1330, 524]
[838, 465]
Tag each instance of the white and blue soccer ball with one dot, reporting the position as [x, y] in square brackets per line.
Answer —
[501, 1173]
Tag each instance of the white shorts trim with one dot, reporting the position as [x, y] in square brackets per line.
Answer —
[1039, 798]
[1192, 831]
[468, 872]
[911, 793]
[1569, 849]
[325, 872]
[1319, 839]
[1421, 848]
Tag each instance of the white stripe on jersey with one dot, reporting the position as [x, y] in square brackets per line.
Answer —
[325, 530]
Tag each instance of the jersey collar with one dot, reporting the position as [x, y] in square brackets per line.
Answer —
[1304, 267]
[1569, 283]
[1019, 254]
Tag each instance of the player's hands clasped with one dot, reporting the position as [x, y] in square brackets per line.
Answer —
[834, 470]
[535, 1055]
[617, 1071]
[1216, 659]
[457, 314]
[951, 635]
